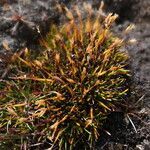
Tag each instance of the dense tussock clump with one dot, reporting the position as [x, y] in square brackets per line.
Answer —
[65, 92]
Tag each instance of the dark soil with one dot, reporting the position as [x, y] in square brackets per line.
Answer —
[16, 34]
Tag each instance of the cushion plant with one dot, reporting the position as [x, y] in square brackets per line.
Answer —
[64, 93]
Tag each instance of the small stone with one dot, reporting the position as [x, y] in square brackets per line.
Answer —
[139, 147]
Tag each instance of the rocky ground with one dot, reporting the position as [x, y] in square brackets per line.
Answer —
[19, 23]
